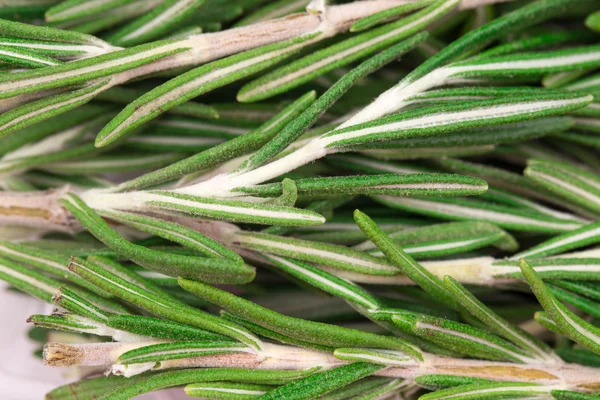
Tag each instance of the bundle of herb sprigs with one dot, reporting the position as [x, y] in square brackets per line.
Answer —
[436, 242]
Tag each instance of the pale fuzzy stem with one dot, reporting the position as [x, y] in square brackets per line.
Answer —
[221, 185]
[89, 354]
[395, 98]
[211, 46]
[271, 357]
[37, 210]
[558, 375]
[567, 376]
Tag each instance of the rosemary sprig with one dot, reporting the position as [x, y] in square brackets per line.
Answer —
[394, 224]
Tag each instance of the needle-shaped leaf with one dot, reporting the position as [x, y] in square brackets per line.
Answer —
[172, 231]
[569, 182]
[70, 323]
[158, 304]
[570, 395]
[587, 289]
[357, 388]
[271, 334]
[14, 29]
[376, 356]
[315, 332]
[496, 177]
[385, 15]
[405, 263]
[229, 210]
[341, 54]
[444, 239]
[529, 63]
[168, 379]
[450, 118]
[325, 281]
[72, 302]
[176, 350]
[510, 218]
[462, 338]
[154, 24]
[162, 328]
[80, 71]
[131, 276]
[570, 324]
[398, 185]
[125, 95]
[500, 326]
[335, 256]
[489, 391]
[472, 138]
[321, 383]
[588, 306]
[28, 281]
[196, 82]
[48, 262]
[437, 382]
[24, 58]
[210, 269]
[44, 288]
[516, 20]
[74, 9]
[577, 269]
[587, 235]
[275, 9]
[226, 390]
[40, 110]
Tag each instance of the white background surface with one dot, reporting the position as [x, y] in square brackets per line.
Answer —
[22, 375]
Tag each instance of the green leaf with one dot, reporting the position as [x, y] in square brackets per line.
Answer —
[449, 238]
[210, 269]
[325, 281]
[462, 338]
[570, 324]
[178, 233]
[461, 209]
[228, 210]
[314, 332]
[339, 257]
[454, 117]
[573, 184]
[47, 262]
[321, 383]
[497, 324]
[154, 24]
[496, 390]
[226, 390]
[176, 350]
[385, 15]
[158, 304]
[168, 379]
[405, 263]
[161, 328]
[398, 185]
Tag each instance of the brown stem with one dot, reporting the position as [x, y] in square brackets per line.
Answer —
[570, 376]
[36, 209]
